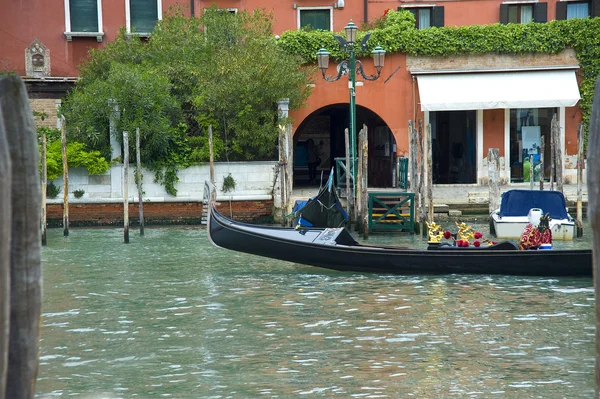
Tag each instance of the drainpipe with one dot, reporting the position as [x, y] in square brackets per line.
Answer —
[192, 2]
[366, 10]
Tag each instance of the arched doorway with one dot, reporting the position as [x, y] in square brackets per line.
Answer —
[326, 126]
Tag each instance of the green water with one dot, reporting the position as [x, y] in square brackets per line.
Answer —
[169, 315]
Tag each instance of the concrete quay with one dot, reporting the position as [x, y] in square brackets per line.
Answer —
[457, 199]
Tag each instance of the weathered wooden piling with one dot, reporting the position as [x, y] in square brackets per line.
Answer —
[593, 184]
[363, 182]
[20, 243]
[138, 159]
[552, 154]
[493, 183]
[557, 154]
[349, 180]
[63, 140]
[422, 179]
[43, 222]
[579, 220]
[429, 174]
[542, 146]
[282, 174]
[414, 170]
[126, 187]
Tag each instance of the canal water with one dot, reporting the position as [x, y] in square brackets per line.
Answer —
[171, 316]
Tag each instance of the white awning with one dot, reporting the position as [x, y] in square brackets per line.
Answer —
[472, 91]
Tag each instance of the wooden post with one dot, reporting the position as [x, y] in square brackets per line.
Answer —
[349, 185]
[211, 162]
[126, 187]
[289, 167]
[552, 153]
[138, 158]
[5, 239]
[22, 250]
[558, 154]
[282, 164]
[493, 183]
[580, 180]
[531, 169]
[593, 184]
[422, 180]
[43, 222]
[542, 147]
[363, 194]
[429, 175]
[63, 140]
[359, 170]
[414, 170]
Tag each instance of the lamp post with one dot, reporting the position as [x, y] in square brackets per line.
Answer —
[351, 66]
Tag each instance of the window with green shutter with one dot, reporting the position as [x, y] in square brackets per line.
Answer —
[84, 15]
[143, 14]
[315, 19]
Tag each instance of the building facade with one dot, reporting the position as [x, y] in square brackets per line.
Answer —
[472, 103]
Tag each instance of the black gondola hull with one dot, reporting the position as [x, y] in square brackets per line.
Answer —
[335, 249]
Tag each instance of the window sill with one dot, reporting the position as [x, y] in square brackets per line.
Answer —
[97, 35]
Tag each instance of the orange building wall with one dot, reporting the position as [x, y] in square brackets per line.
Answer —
[493, 131]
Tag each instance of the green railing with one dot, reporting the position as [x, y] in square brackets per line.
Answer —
[340, 171]
[403, 173]
[391, 211]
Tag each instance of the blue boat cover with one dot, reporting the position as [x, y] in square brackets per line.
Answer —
[519, 202]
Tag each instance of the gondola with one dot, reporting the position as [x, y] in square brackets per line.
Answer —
[334, 248]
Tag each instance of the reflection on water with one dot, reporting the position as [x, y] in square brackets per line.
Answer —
[169, 315]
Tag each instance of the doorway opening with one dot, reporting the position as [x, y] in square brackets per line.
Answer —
[453, 147]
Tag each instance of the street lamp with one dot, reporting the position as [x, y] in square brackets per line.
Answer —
[351, 66]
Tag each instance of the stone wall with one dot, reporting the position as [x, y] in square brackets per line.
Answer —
[48, 107]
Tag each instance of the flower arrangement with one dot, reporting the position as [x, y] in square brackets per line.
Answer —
[462, 238]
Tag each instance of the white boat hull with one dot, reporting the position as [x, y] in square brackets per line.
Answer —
[513, 226]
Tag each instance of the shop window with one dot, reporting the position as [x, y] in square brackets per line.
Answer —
[315, 18]
[141, 15]
[83, 18]
[577, 9]
[426, 17]
[527, 128]
[523, 13]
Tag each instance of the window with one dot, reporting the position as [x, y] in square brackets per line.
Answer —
[426, 17]
[311, 18]
[577, 9]
[83, 18]
[523, 13]
[141, 15]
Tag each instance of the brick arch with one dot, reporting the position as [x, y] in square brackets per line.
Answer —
[326, 127]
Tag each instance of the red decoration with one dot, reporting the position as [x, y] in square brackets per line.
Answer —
[447, 235]
[386, 11]
[477, 243]
[477, 236]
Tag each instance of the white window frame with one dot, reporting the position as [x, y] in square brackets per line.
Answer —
[128, 17]
[330, 8]
[70, 35]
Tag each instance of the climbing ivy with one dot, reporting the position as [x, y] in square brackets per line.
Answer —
[396, 34]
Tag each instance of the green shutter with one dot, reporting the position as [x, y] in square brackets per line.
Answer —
[144, 14]
[315, 19]
[84, 15]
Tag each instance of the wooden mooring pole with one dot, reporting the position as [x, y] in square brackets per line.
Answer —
[63, 140]
[43, 222]
[493, 183]
[593, 184]
[422, 180]
[138, 159]
[579, 220]
[429, 174]
[558, 164]
[531, 171]
[414, 170]
[126, 187]
[363, 182]
[542, 146]
[20, 243]
[349, 180]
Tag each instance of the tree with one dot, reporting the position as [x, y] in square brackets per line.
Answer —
[224, 70]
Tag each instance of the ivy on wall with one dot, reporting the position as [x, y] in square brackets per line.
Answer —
[396, 32]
